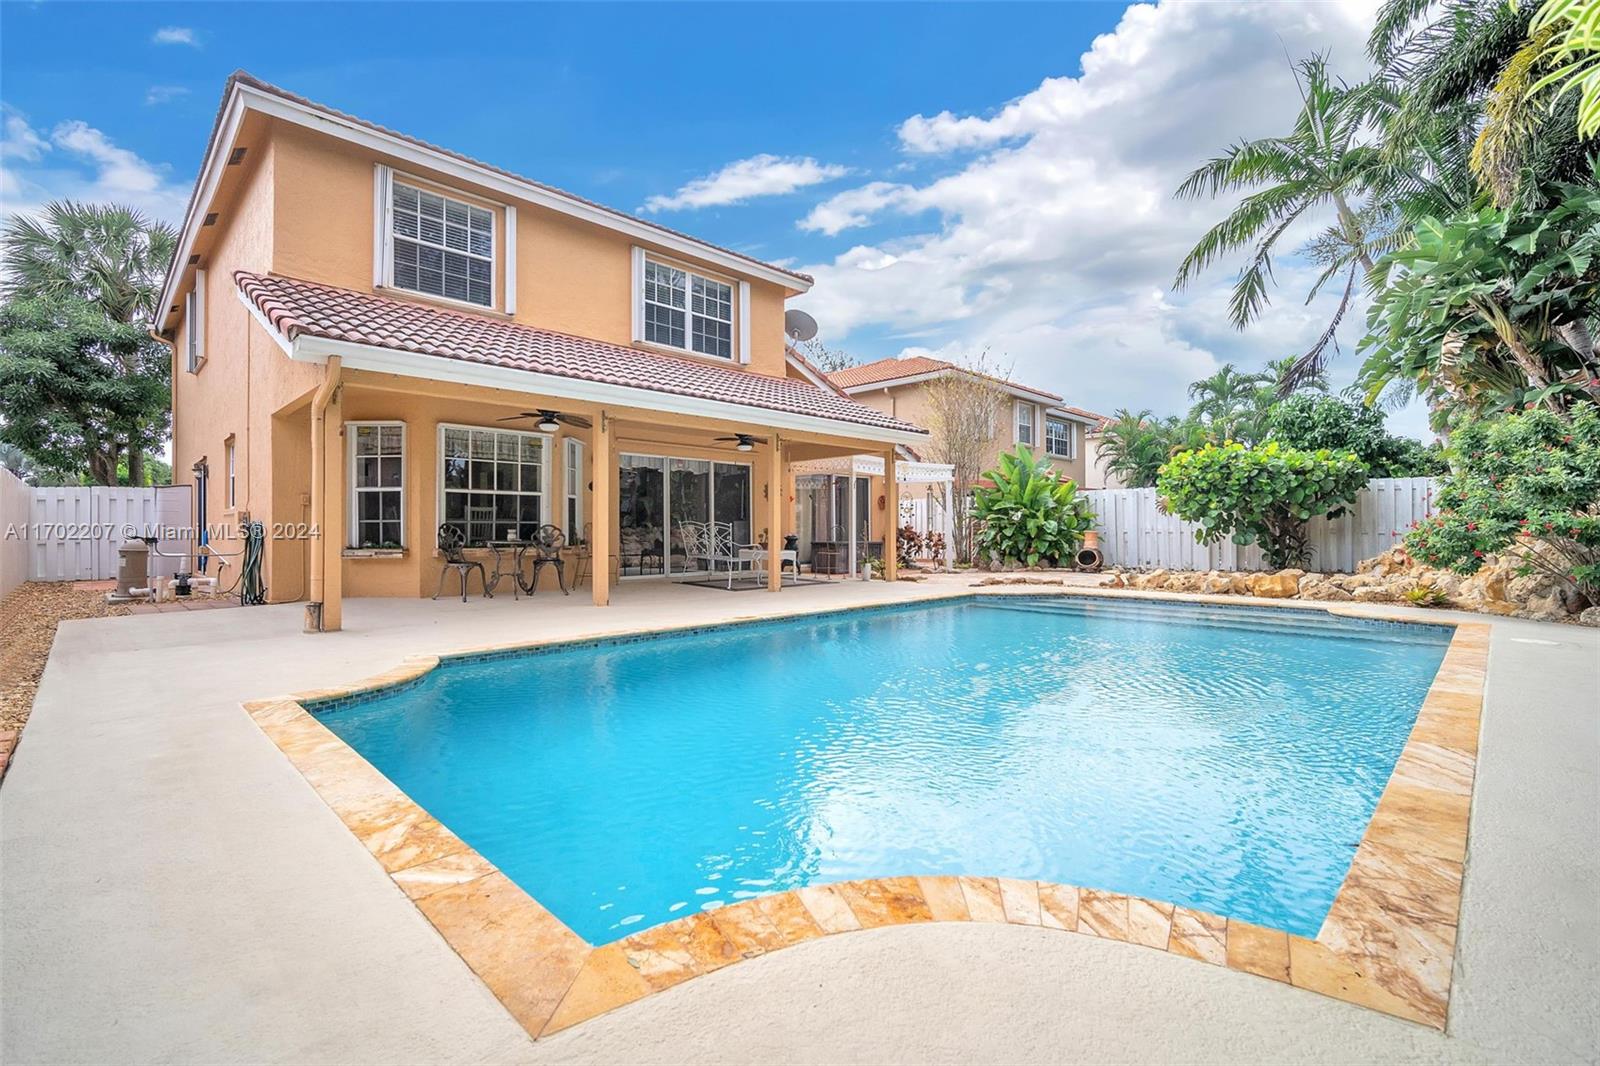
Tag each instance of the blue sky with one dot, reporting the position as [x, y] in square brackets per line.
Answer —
[959, 177]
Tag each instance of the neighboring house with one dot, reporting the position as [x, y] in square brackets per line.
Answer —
[373, 336]
[1033, 417]
[1095, 474]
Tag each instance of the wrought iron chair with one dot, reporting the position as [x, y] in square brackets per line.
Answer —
[724, 549]
[585, 550]
[695, 538]
[546, 551]
[453, 543]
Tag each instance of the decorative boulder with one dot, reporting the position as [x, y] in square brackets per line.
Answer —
[1279, 586]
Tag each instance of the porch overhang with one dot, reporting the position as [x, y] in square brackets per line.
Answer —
[310, 348]
[906, 472]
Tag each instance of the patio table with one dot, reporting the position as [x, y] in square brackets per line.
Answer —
[518, 550]
[757, 557]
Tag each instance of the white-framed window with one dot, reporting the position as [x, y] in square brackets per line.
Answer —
[1024, 423]
[572, 484]
[492, 481]
[438, 245]
[377, 480]
[1060, 439]
[232, 484]
[194, 324]
[684, 310]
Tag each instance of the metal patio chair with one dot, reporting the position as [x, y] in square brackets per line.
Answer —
[546, 551]
[453, 543]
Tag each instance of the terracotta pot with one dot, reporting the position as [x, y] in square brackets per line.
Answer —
[1091, 539]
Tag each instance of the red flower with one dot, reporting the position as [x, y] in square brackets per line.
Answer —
[1479, 554]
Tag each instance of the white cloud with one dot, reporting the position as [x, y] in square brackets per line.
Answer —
[79, 162]
[1053, 235]
[20, 140]
[164, 94]
[746, 179]
[175, 35]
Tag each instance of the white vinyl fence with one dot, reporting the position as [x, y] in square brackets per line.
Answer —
[1135, 533]
[16, 503]
[73, 533]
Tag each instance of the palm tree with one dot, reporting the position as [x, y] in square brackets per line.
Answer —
[1227, 401]
[1321, 163]
[115, 257]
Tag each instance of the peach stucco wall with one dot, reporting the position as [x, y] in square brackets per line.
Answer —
[302, 205]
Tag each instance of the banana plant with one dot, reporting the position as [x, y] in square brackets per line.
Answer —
[1028, 513]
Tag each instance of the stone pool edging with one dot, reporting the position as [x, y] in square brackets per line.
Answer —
[1387, 943]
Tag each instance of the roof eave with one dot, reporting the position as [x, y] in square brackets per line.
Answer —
[245, 93]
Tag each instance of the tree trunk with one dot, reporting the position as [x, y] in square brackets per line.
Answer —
[135, 466]
[1352, 232]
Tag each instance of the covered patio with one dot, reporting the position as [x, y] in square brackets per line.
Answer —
[426, 420]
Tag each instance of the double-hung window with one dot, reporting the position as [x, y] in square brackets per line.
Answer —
[492, 482]
[440, 246]
[1024, 423]
[684, 310]
[572, 482]
[1058, 437]
[377, 484]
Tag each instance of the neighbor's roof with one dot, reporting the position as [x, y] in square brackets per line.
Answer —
[1099, 420]
[298, 308]
[856, 377]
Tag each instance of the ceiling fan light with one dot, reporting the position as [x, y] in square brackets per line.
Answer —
[744, 445]
[548, 425]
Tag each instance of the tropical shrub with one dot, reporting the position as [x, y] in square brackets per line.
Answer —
[1031, 515]
[1527, 485]
[1310, 422]
[1490, 310]
[1261, 495]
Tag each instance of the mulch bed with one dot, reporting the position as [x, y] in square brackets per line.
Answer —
[28, 620]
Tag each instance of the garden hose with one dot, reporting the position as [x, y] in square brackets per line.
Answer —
[252, 591]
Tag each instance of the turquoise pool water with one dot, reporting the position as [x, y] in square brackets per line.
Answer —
[1227, 759]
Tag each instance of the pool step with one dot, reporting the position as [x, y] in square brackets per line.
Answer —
[1257, 619]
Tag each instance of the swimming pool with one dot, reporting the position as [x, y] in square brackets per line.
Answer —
[1226, 759]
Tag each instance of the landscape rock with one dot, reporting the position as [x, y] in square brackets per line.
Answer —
[1590, 617]
[1279, 586]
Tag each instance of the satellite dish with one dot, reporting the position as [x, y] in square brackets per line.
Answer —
[799, 325]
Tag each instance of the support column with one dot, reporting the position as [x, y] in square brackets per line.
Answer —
[775, 508]
[949, 525]
[891, 526]
[602, 503]
[333, 507]
[850, 494]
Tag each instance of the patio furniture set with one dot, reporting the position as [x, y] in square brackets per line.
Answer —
[544, 548]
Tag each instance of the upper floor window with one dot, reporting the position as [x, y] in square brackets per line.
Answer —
[441, 246]
[194, 323]
[685, 310]
[1024, 423]
[1058, 438]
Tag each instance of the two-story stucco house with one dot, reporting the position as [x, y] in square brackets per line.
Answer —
[374, 336]
[1024, 415]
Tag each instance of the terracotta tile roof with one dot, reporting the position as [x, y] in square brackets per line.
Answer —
[855, 377]
[241, 77]
[1099, 419]
[303, 308]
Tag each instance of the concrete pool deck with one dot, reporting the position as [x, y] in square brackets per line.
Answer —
[173, 889]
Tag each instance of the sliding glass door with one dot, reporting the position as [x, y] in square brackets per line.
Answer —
[657, 494]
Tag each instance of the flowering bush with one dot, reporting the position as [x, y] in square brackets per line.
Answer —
[1030, 515]
[1262, 495]
[1525, 484]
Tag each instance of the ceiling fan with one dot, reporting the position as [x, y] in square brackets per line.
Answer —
[550, 421]
[747, 442]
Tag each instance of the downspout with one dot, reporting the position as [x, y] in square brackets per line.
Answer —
[319, 409]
